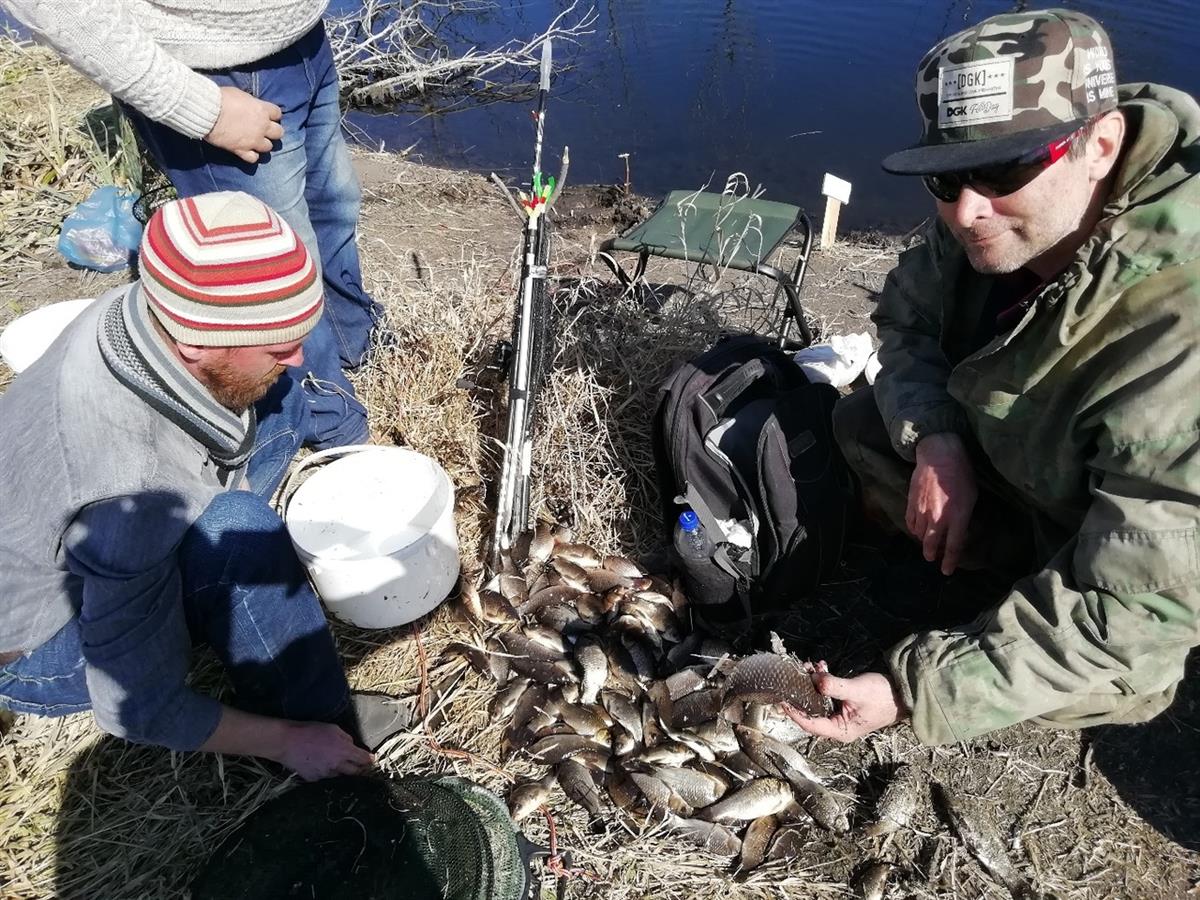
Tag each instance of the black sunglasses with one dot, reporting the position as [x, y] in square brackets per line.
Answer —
[998, 180]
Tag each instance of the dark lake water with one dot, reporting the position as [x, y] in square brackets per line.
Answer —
[783, 90]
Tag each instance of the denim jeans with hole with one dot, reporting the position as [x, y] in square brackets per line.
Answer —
[309, 180]
[244, 594]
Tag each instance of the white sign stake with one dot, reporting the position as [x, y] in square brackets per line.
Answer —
[836, 193]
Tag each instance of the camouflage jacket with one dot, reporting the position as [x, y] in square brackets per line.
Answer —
[1090, 409]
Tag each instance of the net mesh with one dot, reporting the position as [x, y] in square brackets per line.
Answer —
[354, 837]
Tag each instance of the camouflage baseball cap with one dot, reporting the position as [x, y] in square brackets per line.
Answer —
[1003, 87]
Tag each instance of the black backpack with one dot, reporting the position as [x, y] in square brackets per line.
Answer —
[743, 438]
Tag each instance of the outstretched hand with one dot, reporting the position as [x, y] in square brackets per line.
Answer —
[868, 703]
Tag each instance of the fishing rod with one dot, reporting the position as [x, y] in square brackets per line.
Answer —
[530, 354]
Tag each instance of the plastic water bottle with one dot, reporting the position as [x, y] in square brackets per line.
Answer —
[690, 538]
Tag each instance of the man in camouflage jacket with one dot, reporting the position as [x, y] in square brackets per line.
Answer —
[1040, 387]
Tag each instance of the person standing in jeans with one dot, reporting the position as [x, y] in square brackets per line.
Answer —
[241, 95]
[136, 518]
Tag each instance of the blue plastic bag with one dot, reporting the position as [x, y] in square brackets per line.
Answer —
[102, 232]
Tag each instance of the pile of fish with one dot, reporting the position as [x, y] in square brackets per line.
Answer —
[600, 678]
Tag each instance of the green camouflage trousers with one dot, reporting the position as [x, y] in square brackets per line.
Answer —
[1001, 538]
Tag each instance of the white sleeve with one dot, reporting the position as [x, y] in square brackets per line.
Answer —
[102, 39]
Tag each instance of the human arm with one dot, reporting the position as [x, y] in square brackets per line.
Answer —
[1112, 615]
[923, 421]
[866, 703]
[312, 750]
[137, 647]
[103, 39]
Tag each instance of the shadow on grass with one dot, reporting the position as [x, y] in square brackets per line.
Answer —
[1155, 766]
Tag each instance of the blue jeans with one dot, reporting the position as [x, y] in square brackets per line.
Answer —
[244, 593]
[309, 180]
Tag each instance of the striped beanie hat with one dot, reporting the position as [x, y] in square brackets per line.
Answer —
[225, 270]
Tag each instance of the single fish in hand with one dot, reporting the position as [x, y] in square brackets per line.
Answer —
[771, 678]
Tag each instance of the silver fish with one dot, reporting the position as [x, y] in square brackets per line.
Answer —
[469, 603]
[755, 842]
[483, 661]
[977, 830]
[525, 797]
[601, 580]
[496, 609]
[623, 712]
[696, 708]
[641, 655]
[623, 743]
[548, 596]
[774, 756]
[771, 678]
[554, 749]
[577, 783]
[514, 588]
[684, 682]
[592, 662]
[519, 552]
[623, 792]
[668, 753]
[622, 566]
[507, 697]
[516, 643]
[713, 838]
[585, 720]
[718, 735]
[873, 881]
[659, 795]
[541, 544]
[562, 618]
[622, 672]
[897, 803]
[764, 797]
[788, 843]
[697, 788]
[572, 574]
[548, 638]
[591, 607]
[580, 554]
[652, 730]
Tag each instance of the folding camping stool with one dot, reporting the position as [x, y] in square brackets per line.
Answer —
[724, 232]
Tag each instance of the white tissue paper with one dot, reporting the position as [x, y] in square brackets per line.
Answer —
[837, 361]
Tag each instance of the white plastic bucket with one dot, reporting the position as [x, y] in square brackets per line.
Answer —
[27, 337]
[375, 529]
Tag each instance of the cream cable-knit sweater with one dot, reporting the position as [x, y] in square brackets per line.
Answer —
[146, 51]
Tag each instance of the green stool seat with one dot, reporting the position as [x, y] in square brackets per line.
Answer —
[721, 231]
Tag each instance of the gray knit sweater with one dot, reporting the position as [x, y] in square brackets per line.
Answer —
[145, 52]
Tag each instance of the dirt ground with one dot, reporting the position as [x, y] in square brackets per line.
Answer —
[1113, 812]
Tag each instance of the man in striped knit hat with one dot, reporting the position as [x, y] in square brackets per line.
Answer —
[139, 454]
[241, 95]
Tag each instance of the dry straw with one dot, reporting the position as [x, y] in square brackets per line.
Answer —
[83, 815]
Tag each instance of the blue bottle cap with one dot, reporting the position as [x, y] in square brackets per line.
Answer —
[689, 521]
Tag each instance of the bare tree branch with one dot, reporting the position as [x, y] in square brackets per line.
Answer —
[396, 50]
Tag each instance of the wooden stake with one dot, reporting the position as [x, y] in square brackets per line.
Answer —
[833, 209]
[837, 193]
